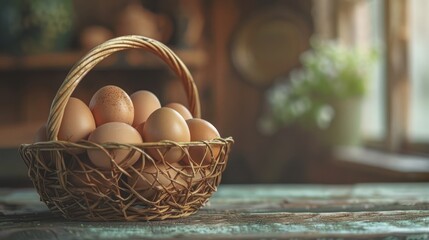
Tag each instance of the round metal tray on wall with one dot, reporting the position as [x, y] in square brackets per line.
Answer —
[268, 43]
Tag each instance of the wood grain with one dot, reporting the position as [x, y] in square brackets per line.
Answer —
[397, 73]
[378, 211]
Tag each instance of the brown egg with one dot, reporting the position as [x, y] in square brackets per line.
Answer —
[182, 110]
[199, 176]
[90, 183]
[145, 103]
[111, 104]
[202, 130]
[166, 124]
[77, 122]
[114, 132]
[139, 128]
[154, 179]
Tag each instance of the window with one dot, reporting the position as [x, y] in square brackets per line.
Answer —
[371, 34]
[419, 72]
[396, 111]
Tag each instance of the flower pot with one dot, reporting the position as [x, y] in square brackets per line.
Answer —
[345, 127]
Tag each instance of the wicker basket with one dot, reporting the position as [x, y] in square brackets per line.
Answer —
[69, 184]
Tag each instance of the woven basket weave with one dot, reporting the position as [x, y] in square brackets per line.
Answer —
[70, 185]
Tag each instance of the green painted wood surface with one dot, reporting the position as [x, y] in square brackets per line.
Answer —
[381, 211]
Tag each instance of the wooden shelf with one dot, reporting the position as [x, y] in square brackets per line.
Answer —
[193, 58]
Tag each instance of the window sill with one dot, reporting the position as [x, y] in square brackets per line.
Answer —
[416, 167]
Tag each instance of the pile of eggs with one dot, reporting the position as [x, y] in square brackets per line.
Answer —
[115, 117]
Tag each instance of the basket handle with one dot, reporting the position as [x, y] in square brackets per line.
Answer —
[96, 55]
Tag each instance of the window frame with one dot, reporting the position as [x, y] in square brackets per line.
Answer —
[333, 19]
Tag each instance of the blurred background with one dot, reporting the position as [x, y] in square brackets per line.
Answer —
[312, 91]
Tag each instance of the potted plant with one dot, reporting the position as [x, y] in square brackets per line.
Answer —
[325, 94]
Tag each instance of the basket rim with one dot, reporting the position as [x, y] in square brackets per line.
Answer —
[59, 144]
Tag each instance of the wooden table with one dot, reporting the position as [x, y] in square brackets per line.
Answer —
[381, 211]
